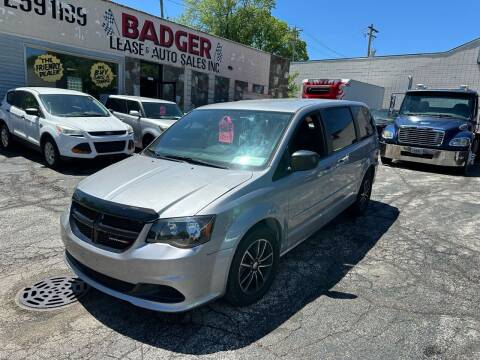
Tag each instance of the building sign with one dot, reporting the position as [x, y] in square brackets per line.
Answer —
[48, 67]
[161, 42]
[101, 75]
[110, 28]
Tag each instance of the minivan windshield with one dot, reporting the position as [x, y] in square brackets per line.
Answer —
[67, 105]
[446, 105]
[155, 110]
[223, 138]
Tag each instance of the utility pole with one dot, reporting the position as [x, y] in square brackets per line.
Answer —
[161, 10]
[295, 35]
[371, 35]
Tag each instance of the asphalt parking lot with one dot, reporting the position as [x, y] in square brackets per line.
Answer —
[402, 282]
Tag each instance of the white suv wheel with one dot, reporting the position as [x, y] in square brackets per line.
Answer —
[5, 137]
[50, 153]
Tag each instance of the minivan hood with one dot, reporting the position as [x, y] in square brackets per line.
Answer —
[430, 122]
[173, 189]
[90, 124]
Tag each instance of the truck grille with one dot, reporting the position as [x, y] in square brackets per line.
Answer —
[421, 136]
[111, 146]
[103, 229]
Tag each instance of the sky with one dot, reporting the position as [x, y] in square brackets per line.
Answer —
[334, 29]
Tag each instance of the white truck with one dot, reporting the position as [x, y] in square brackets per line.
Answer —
[343, 89]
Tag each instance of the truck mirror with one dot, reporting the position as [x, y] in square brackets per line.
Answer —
[391, 108]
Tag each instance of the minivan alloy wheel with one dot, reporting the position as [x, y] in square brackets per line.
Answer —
[255, 267]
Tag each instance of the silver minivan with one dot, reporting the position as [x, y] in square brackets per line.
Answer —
[210, 206]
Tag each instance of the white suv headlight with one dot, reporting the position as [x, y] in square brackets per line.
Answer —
[69, 131]
[129, 130]
[460, 141]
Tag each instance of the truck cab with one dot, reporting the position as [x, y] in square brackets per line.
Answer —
[435, 127]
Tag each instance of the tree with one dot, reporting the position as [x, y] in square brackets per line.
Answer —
[293, 88]
[249, 22]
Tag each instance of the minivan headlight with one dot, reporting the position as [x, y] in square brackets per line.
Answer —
[184, 233]
[460, 141]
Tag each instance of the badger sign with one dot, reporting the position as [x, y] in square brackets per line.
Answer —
[101, 75]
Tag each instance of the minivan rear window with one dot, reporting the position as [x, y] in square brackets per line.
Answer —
[364, 121]
[339, 127]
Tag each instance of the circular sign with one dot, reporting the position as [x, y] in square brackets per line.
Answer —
[101, 74]
[48, 67]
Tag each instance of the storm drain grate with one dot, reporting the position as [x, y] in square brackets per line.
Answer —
[52, 293]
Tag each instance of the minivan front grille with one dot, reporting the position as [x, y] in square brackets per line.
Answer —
[102, 229]
[420, 136]
[110, 146]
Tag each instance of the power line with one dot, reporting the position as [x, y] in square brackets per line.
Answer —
[324, 45]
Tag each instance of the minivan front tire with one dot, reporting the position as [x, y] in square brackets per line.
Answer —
[253, 268]
[50, 153]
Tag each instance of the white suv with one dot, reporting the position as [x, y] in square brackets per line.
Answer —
[148, 117]
[62, 124]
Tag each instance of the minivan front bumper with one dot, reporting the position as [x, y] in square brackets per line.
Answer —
[195, 274]
[423, 155]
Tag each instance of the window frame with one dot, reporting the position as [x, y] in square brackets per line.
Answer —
[140, 107]
[329, 145]
[281, 173]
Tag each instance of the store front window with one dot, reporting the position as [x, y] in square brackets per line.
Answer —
[258, 89]
[241, 88]
[51, 69]
[162, 82]
[199, 89]
[222, 85]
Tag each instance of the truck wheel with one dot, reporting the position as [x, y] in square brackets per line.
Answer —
[467, 168]
[5, 137]
[253, 268]
[386, 161]
[51, 154]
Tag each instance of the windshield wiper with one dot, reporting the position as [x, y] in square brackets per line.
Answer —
[195, 161]
[153, 153]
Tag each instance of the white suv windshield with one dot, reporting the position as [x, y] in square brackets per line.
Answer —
[73, 106]
[155, 110]
[223, 138]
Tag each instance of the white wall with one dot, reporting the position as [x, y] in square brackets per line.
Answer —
[448, 70]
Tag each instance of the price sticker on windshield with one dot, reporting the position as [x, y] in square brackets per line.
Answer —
[163, 110]
[226, 130]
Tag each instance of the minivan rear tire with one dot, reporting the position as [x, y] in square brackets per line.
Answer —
[253, 267]
[360, 206]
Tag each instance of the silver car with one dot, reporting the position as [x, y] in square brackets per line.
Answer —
[210, 206]
[148, 117]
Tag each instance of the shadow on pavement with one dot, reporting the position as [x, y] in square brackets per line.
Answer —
[443, 170]
[306, 273]
[68, 167]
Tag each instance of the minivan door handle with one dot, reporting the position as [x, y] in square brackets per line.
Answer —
[343, 159]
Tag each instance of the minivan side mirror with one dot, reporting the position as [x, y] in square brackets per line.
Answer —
[32, 111]
[303, 160]
[135, 113]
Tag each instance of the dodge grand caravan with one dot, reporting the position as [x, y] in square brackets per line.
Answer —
[62, 124]
[210, 206]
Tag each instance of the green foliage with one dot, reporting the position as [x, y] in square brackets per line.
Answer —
[292, 87]
[249, 22]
